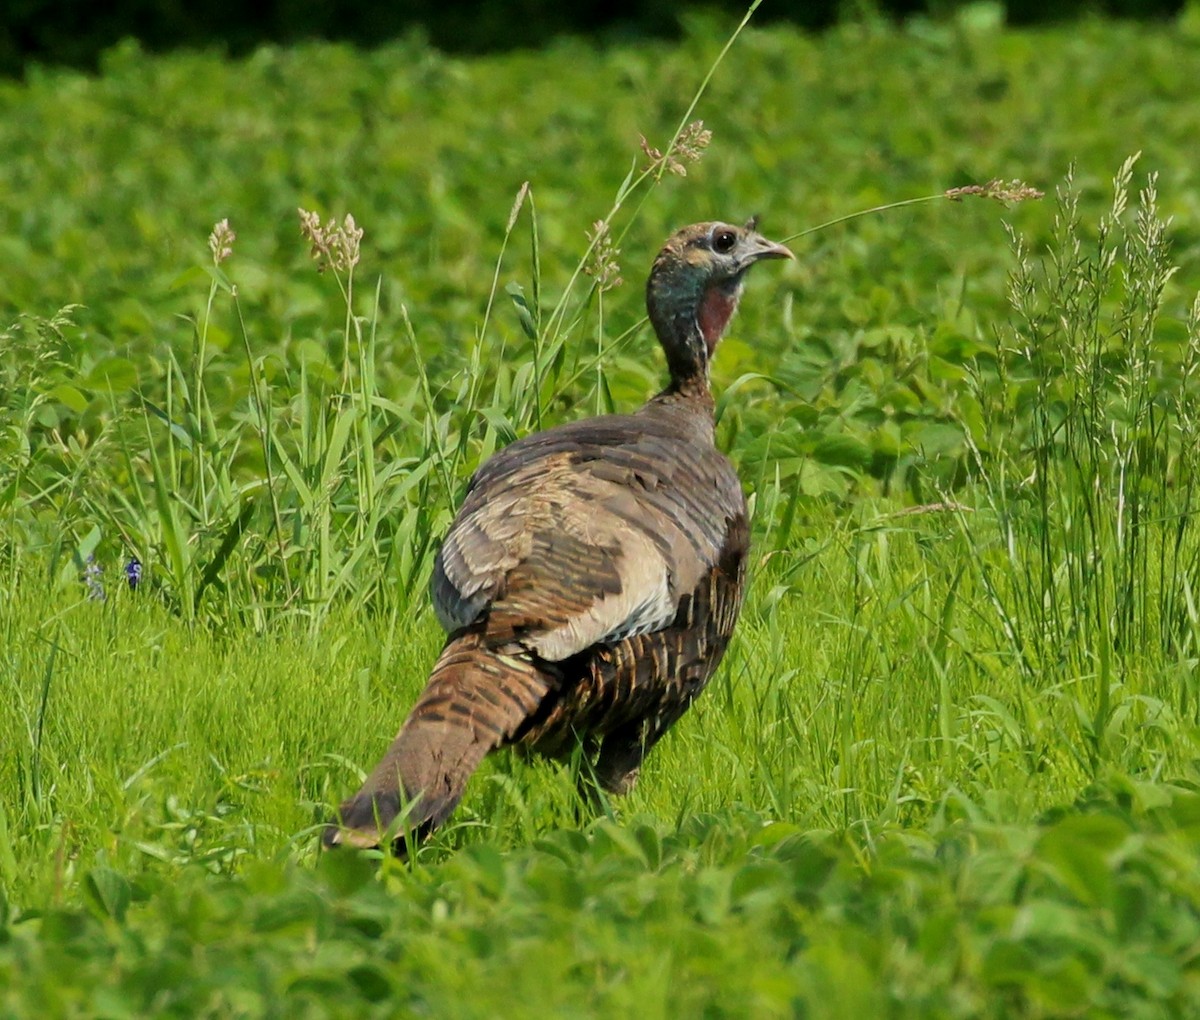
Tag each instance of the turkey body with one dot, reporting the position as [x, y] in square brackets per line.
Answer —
[589, 585]
[612, 553]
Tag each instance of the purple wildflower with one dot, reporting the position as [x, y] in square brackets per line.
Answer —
[133, 572]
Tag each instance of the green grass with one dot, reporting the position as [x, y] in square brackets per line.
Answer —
[950, 765]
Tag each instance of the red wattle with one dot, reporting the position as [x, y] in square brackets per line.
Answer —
[716, 309]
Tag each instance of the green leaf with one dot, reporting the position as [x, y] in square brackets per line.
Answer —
[178, 431]
[843, 451]
[651, 845]
[69, 397]
[294, 911]
[1078, 852]
[107, 893]
[524, 315]
[112, 373]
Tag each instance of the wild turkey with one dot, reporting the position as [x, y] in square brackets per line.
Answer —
[593, 576]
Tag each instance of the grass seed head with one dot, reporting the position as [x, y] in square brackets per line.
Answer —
[602, 263]
[334, 245]
[220, 242]
[1008, 192]
[687, 148]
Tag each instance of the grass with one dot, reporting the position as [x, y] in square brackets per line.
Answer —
[949, 768]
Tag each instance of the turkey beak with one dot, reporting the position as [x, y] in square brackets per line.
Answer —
[760, 248]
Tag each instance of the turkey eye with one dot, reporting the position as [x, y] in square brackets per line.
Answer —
[724, 241]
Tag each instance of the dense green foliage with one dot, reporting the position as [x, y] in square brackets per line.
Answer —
[950, 766]
[1090, 915]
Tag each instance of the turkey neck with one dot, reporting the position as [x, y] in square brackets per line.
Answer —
[690, 398]
[689, 327]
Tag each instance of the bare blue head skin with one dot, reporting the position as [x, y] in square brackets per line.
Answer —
[694, 288]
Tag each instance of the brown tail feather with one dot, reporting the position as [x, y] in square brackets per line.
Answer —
[476, 699]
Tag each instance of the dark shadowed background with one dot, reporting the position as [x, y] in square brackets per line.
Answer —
[75, 32]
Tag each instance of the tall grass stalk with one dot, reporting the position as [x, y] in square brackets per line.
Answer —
[1088, 462]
